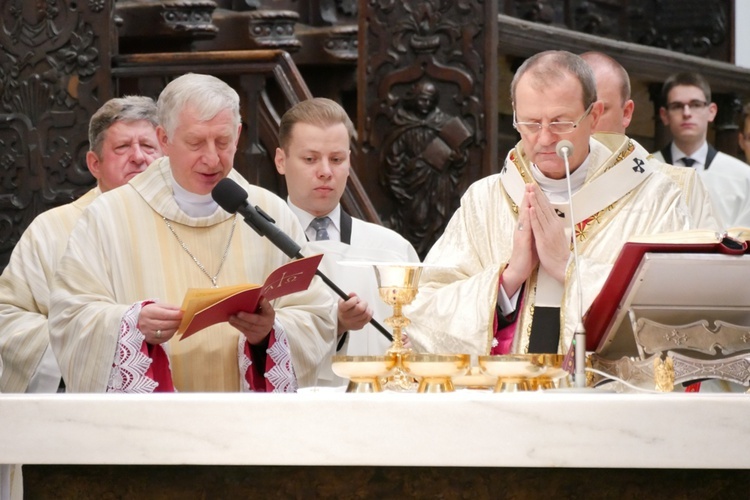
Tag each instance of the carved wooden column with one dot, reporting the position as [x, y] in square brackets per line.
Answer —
[54, 74]
[662, 135]
[427, 72]
[726, 125]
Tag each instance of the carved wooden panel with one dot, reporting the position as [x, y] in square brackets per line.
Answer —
[156, 26]
[54, 73]
[696, 27]
[426, 80]
[538, 11]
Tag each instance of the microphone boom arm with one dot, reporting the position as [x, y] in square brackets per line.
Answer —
[264, 225]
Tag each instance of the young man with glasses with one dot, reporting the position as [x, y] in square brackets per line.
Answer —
[687, 110]
[508, 281]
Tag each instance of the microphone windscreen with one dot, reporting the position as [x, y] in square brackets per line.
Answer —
[229, 195]
[564, 144]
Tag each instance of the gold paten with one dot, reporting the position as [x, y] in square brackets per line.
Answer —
[435, 371]
[364, 372]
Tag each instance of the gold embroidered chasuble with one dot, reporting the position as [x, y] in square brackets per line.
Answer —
[122, 252]
[454, 310]
[25, 289]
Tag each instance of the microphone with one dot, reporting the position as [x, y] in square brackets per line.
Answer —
[231, 197]
[564, 149]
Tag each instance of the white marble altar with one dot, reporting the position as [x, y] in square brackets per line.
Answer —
[466, 428]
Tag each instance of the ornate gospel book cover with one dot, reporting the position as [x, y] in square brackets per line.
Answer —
[204, 307]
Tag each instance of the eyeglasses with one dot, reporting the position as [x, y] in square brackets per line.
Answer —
[678, 107]
[553, 127]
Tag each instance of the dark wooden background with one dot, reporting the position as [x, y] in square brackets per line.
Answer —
[426, 81]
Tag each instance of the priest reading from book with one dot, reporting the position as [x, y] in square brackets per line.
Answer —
[138, 249]
[513, 287]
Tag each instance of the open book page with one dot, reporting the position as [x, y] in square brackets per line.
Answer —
[694, 236]
[203, 307]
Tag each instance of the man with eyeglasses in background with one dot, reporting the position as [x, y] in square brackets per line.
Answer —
[687, 110]
[502, 277]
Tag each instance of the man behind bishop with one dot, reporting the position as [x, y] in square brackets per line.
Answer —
[508, 282]
[137, 249]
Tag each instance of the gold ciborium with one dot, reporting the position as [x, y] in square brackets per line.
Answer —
[513, 371]
[398, 284]
[364, 372]
[553, 374]
[435, 371]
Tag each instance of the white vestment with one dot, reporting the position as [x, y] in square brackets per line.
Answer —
[455, 309]
[727, 181]
[372, 243]
[24, 299]
[699, 203]
[122, 254]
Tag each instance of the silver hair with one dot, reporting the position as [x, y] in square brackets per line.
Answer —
[206, 95]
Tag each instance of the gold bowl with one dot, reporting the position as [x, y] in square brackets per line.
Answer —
[435, 371]
[474, 378]
[553, 373]
[513, 371]
[364, 372]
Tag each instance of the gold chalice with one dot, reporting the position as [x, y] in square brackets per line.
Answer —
[435, 371]
[364, 372]
[398, 285]
[513, 371]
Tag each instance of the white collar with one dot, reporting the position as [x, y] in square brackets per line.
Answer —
[195, 205]
[305, 218]
[700, 155]
[557, 189]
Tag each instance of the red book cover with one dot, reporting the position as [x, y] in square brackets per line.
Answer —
[204, 307]
[604, 308]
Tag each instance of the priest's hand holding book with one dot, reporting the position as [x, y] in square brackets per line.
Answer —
[255, 326]
[159, 322]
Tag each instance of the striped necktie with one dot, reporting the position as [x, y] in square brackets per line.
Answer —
[320, 224]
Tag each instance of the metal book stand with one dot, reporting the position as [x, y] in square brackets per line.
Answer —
[684, 317]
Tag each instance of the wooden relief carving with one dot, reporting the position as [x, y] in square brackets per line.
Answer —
[424, 133]
[155, 26]
[273, 29]
[54, 73]
[538, 11]
[341, 43]
[696, 27]
[332, 12]
[601, 18]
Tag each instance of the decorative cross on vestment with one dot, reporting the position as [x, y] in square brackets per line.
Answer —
[320, 224]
